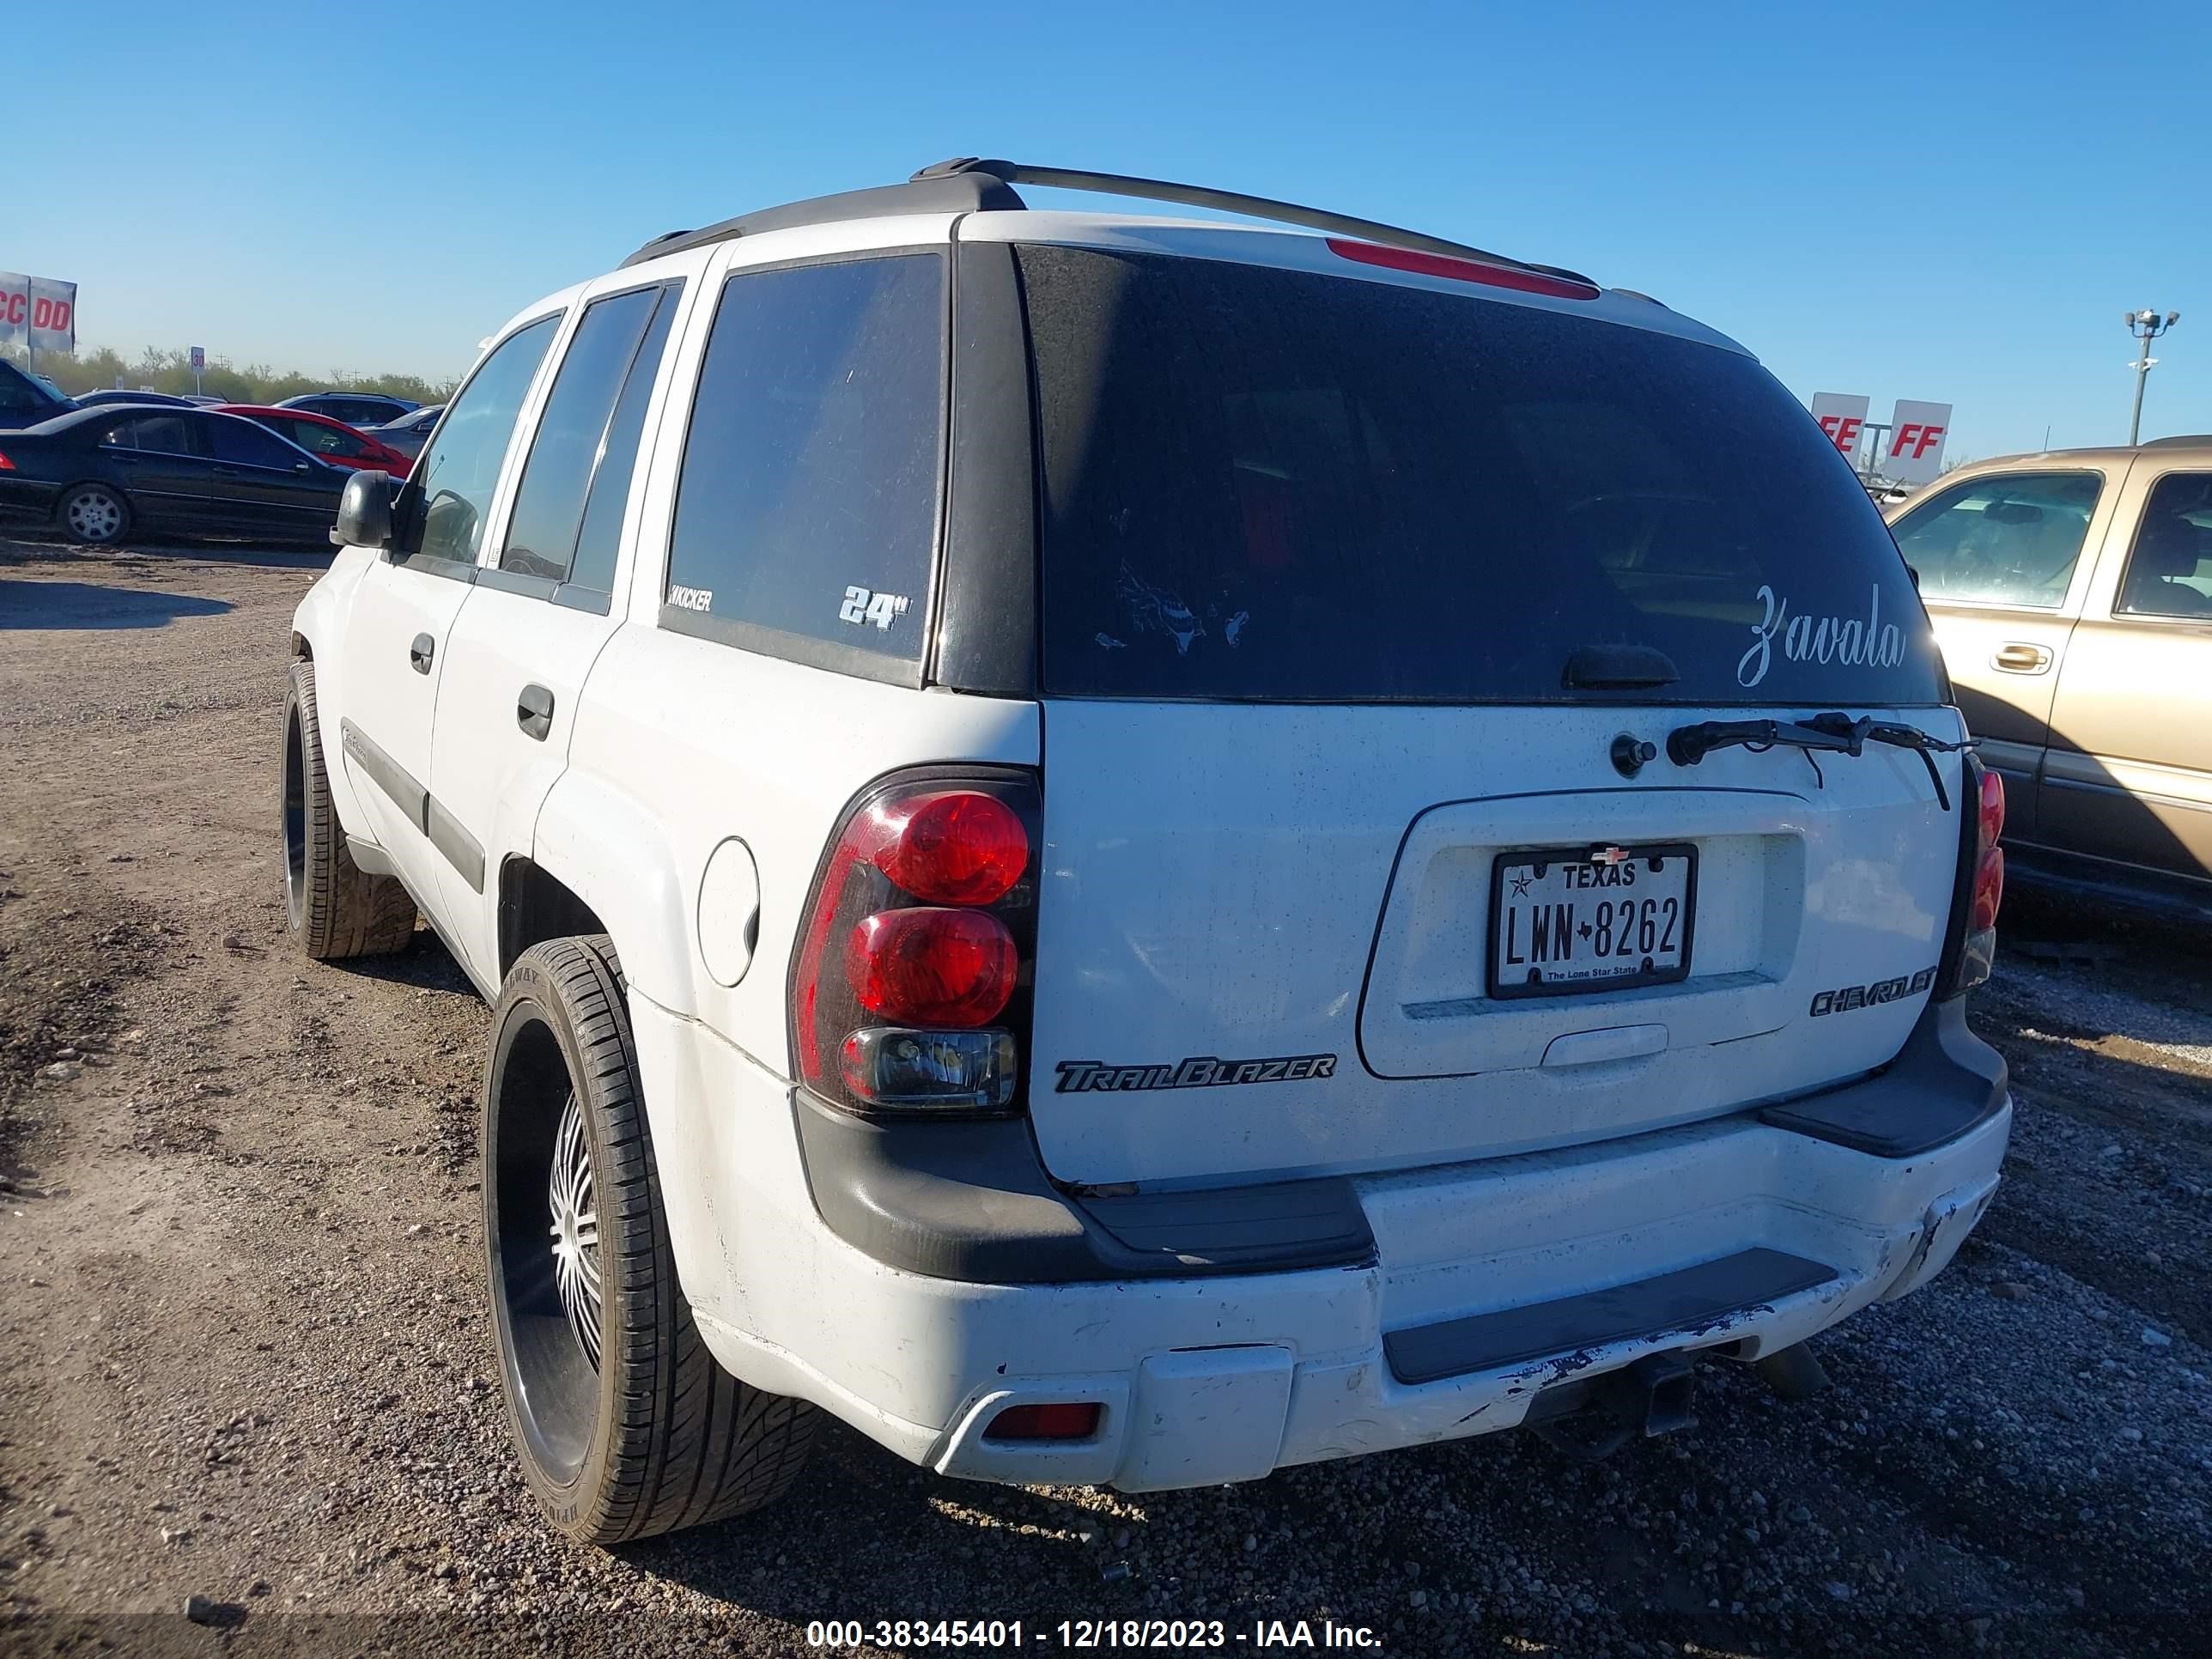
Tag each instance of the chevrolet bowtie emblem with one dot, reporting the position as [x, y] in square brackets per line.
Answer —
[1609, 855]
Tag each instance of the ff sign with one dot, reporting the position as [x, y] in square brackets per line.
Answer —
[37, 312]
[1843, 417]
[1913, 452]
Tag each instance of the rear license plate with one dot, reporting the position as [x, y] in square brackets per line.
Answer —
[1569, 919]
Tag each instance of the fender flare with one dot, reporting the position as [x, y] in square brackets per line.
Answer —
[603, 845]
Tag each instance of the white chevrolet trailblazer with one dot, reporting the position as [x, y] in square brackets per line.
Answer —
[1135, 851]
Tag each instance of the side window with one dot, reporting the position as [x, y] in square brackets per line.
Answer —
[164, 434]
[457, 473]
[17, 395]
[2010, 539]
[808, 504]
[318, 440]
[242, 441]
[2170, 567]
[579, 449]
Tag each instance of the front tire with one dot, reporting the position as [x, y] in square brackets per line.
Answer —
[333, 907]
[626, 1424]
[95, 514]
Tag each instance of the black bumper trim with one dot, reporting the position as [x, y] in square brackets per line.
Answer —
[1686, 1302]
[971, 1200]
[1944, 1082]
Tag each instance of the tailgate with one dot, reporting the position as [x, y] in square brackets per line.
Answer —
[1266, 932]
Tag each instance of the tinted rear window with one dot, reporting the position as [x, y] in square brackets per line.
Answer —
[1275, 485]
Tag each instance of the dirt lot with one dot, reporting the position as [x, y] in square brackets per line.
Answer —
[244, 1353]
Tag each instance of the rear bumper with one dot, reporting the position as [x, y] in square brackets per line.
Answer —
[21, 498]
[1432, 1304]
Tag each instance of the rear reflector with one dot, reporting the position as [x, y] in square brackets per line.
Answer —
[1072, 1422]
[1463, 271]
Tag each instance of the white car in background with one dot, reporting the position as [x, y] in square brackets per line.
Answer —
[1133, 852]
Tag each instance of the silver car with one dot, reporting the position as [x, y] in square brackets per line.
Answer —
[410, 431]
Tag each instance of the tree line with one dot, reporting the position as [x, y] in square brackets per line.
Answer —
[253, 383]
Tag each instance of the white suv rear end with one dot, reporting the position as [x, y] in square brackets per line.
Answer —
[1225, 848]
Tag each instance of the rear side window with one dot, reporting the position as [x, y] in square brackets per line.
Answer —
[579, 455]
[807, 508]
[161, 435]
[17, 395]
[458, 474]
[2011, 539]
[242, 440]
[2170, 567]
[1275, 485]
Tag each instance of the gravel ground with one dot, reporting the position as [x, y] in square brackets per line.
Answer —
[244, 1353]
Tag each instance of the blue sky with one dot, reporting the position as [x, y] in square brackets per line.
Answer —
[1953, 202]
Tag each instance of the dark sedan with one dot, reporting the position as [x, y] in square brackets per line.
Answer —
[118, 395]
[98, 472]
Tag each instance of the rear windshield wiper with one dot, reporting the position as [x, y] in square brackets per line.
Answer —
[1830, 733]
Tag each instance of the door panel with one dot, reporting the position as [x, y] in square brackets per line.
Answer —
[2003, 559]
[2128, 775]
[390, 700]
[497, 756]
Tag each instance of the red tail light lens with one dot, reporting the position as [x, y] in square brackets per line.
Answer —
[911, 976]
[1988, 892]
[1993, 809]
[1056, 1422]
[955, 847]
[932, 966]
[6, 465]
[1972, 952]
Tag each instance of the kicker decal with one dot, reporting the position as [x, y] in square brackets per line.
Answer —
[1083, 1077]
[1844, 998]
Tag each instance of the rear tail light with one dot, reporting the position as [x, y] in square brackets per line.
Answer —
[6, 465]
[1981, 872]
[911, 985]
[931, 965]
[1056, 1422]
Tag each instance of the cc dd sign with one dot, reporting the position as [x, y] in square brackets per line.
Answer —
[37, 312]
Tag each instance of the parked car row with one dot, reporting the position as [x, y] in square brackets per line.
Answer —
[97, 473]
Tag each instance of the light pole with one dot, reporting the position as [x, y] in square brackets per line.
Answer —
[2145, 325]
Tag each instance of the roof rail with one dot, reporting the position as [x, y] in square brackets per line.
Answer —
[968, 184]
[1226, 201]
[960, 193]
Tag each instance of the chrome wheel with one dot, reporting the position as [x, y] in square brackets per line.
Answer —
[93, 516]
[576, 1228]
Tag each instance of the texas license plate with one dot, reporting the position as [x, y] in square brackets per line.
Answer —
[1568, 919]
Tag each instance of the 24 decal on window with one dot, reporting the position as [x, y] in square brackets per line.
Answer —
[862, 607]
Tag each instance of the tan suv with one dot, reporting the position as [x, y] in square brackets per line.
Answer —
[2072, 595]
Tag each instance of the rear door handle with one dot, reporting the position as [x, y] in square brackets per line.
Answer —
[420, 651]
[2018, 658]
[533, 711]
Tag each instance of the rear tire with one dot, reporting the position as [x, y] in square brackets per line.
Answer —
[95, 514]
[333, 907]
[626, 1424]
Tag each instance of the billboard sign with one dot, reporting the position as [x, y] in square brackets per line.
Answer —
[1913, 451]
[1843, 417]
[37, 312]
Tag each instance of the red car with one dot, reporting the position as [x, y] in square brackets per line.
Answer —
[326, 439]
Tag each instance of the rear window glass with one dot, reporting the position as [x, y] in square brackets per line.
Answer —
[807, 506]
[1276, 485]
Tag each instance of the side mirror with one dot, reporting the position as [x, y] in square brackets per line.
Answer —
[365, 511]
